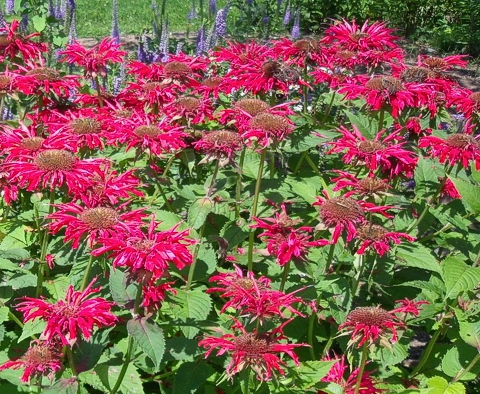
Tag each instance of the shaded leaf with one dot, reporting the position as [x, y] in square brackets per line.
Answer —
[32, 327]
[63, 386]
[191, 306]
[149, 337]
[190, 376]
[109, 372]
[470, 333]
[122, 294]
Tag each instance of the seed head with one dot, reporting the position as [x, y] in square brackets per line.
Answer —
[55, 160]
[99, 218]
[83, 126]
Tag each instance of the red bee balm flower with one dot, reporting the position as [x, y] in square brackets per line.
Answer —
[253, 350]
[152, 252]
[12, 42]
[457, 148]
[378, 238]
[382, 152]
[67, 317]
[94, 60]
[41, 358]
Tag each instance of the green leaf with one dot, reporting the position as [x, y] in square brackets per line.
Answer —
[149, 337]
[396, 354]
[8, 265]
[310, 372]
[458, 277]
[439, 385]
[109, 372]
[87, 354]
[39, 23]
[426, 177]
[190, 376]
[198, 212]
[367, 126]
[57, 287]
[470, 333]
[469, 192]
[303, 189]
[32, 327]
[3, 313]
[63, 386]
[191, 306]
[233, 234]
[417, 256]
[180, 348]
[452, 363]
[123, 294]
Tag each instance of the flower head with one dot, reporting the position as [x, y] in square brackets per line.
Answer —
[71, 318]
[42, 358]
[221, 145]
[13, 42]
[260, 352]
[378, 238]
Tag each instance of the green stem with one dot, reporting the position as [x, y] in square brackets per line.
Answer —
[327, 111]
[69, 353]
[286, 269]
[311, 323]
[238, 189]
[254, 208]
[426, 353]
[448, 226]
[214, 177]
[165, 199]
[12, 316]
[330, 258]
[434, 197]
[272, 164]
[87, 273]
[43, 251]
[305, 89]
[363, 362]
[169, 164]
[246, 381]
[381, 118]
[312, 164]
[99, 93]
[128, 354]
[328, 346]
[300, 162]
[359, 274]
[464, 371]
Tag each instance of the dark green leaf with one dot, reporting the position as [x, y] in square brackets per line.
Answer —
[149, 337]
[190, 376]
[191, 306]
[63, 386]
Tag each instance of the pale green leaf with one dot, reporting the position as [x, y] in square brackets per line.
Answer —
[311, 372]
[469, 192]
[458, 277]
[417, 256]
[32, 327]
[109, 372]
[63, 386]
[439, 385]
[198, 212]
[470, 333]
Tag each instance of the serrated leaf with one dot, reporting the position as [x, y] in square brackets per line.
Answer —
[364, 124]
[470, 333]
[439, 385]
[458, 277]
[417, 256]
[190, 376]
[198, 212]
[63, 386]
[310, 372]
[469, 192]
[149, 337]
[32, 327]
[180, 348]
[396, 354]
[122, 294]
[87, 354]
[452, 363]
[191, 306]
[109, 372]
[3, 313]
[57, 287]
[233, 234]
[7, 265]
[426, 177]
[303, 190]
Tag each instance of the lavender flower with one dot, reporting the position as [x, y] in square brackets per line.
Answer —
[71, 4]
[119, 79]
[24, 23]
[51, 8]
[60, 10]
[72, 33]
[200, 41]
[296, 26]
[7, 113]
[288, 15]
[213, 6]
[163, 46]
[179, 48]
[249, 2]
[211, 39]
[115, 29]
[221, 23]
[266, 19]
[10, 7]
[192, 14]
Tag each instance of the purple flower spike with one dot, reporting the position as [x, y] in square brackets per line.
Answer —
[115, 29]
[296, 27]
[10, 7]
[221, 23]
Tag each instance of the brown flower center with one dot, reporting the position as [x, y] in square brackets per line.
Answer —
[212, 82]
[55, 160]
[345, 55]
[306, 45]
[5, 82]
[270, 68]
[371, 186]
[151, 86]
[245, 283]
[189, 103]
[176, 69]
[461, 141]
[371, 232]
[147, 131]
[39, 354]
[370, 316]
[370, 146]
[252, 106]
[357, 36]
[144, 245]
[124, 113]
[269, 123]
[435, 63]
[416, 74]
[223, 138]
[99, 217]
[82, 126]
[391, 84]
[44, 74]
[32, 143]
[341, 210]
[254, 347]
[475, 97]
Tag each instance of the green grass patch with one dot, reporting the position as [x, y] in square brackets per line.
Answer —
[94, 17]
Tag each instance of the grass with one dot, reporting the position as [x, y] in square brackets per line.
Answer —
[94, 17]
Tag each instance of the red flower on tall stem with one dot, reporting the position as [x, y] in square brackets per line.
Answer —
[260, 352]
[94, 222]
[12, 42]
[152, 252]
[384, 152]
[42, 358]
[457, 148]
[95, 60]
[71, 318]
